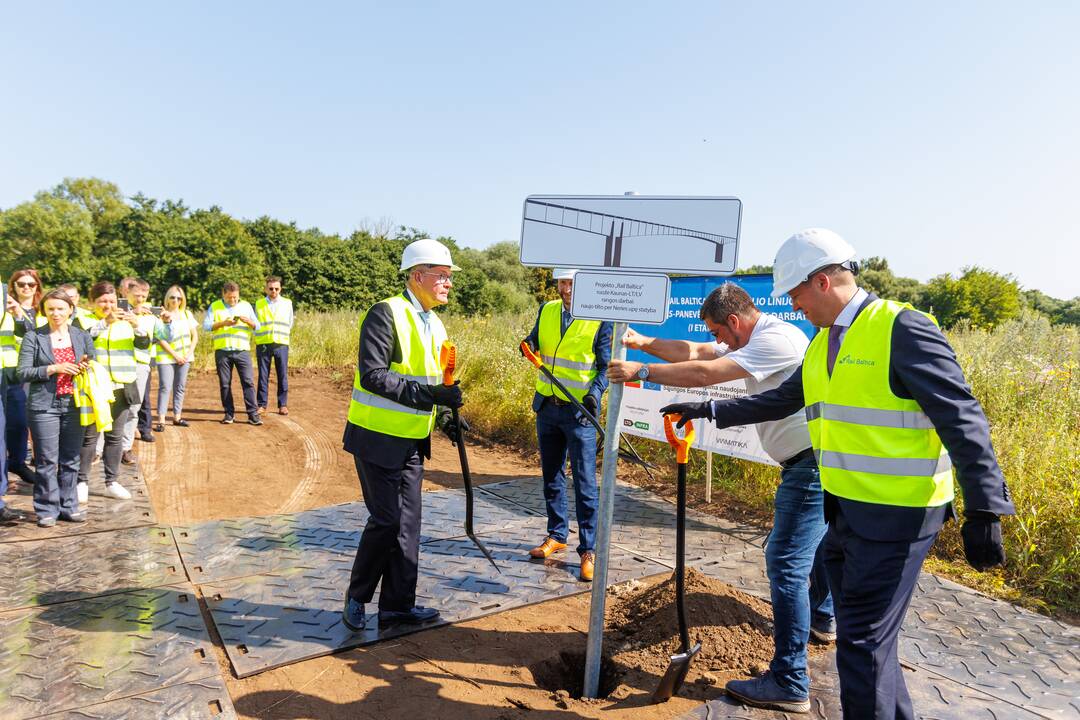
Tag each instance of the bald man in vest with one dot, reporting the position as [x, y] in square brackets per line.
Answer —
[397, 398]
[890, 416]
[577, 352]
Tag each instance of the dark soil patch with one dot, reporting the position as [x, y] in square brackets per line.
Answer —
[564, 675]
[734, 629]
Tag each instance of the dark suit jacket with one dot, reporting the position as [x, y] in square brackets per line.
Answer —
[36, 355]
[378, 348]
[923, 368]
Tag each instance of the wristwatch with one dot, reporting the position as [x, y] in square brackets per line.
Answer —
[643, 373]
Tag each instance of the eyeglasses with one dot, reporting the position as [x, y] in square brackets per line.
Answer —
[440, 278]
[26, 283]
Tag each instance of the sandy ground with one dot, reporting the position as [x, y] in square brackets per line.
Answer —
[487, 668]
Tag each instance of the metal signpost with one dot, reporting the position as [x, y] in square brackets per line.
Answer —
[624, 238]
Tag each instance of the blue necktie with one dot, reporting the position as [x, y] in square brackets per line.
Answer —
[834, 345]
[567, 318]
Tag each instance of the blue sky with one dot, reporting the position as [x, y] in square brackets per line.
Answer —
[937, 135]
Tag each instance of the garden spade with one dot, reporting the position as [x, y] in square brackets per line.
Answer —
[448, 361]
[631, 456]
[680, 663]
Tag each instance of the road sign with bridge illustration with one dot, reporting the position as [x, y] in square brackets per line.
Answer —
[632, 233]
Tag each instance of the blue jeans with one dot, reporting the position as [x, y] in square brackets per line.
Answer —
[797, 578]
[17, 431]
[58, 439]
[3, 438]
[562, 431]
[172, 380]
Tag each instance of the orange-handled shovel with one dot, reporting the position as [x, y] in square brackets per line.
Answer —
[448, 361]
[680, 663]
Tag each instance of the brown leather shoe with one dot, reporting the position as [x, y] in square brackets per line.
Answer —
[127, 458]
[284, 410]
[261, 411]
[588, 558]
[546, 548]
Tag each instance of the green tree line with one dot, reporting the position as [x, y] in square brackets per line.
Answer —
[85, 230]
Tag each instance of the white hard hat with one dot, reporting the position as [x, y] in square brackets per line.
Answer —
[426, 252]
[804, 253]
[563, 273]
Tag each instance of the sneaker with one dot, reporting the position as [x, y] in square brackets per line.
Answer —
[9, 515]
[46, 522]
[823, 631]
[588, 559]
[118, 491]
[128, 458]
[228, 420]
[160, 427]
[148, 437]
[79, 516]
[763, 692]
[181, 423]
[255, 420]
[82, 492]
[546, 548]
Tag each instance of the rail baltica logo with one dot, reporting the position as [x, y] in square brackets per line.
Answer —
[848, 360]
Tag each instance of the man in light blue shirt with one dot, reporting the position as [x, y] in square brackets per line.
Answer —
[231, 323]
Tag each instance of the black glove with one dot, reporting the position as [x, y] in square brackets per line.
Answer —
[453, 429]
[689, 411]
[982, 541]
[447, 395]
[590, 404]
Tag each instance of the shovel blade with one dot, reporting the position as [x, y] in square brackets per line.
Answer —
[675, 675]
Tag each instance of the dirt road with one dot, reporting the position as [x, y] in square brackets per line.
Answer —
[487, 668]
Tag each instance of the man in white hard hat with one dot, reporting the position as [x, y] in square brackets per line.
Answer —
[890, 417]
[576, 352]
[764, 351]
[397, 398]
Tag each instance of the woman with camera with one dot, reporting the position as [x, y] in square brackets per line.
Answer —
[116, 336]
[49, 359]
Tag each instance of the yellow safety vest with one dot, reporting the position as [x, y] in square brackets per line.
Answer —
[871, 445]
[237, 337]
[272, 330]
[116, 351]
[9, 348]
[419, 362]
[93, 391]
[570, 357]
[83, 318]
[181, 328]
[149, 325]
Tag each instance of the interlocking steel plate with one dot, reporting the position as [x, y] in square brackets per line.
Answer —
[42, 572]
[269, 620]
[933, 697]
[223, 549]
[199, 700]
[94, 650]
[103, 512]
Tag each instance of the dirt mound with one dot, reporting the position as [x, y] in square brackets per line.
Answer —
[734, 629]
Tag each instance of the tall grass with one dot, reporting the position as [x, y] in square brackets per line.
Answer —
[1025, 373]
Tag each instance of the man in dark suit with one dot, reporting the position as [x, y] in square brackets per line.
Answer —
[397, 388]
[890, 416]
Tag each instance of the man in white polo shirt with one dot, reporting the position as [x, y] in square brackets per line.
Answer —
[764, 351]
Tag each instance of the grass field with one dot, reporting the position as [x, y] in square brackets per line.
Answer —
[1025, 373]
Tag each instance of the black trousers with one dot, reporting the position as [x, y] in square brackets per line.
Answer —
[389, 547]
[871, 584]
[226, 360]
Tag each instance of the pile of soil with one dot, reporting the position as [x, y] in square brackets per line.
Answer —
[734, 629]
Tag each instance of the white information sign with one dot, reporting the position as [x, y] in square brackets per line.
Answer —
[632, 233]
[620, 297]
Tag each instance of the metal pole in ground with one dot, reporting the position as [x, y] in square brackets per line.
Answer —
[708, 476]
[595, 647]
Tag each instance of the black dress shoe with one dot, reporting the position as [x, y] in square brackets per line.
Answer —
[147, 437]
[25, 474]
[353, 615]
[9, 515]
[418, 614]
